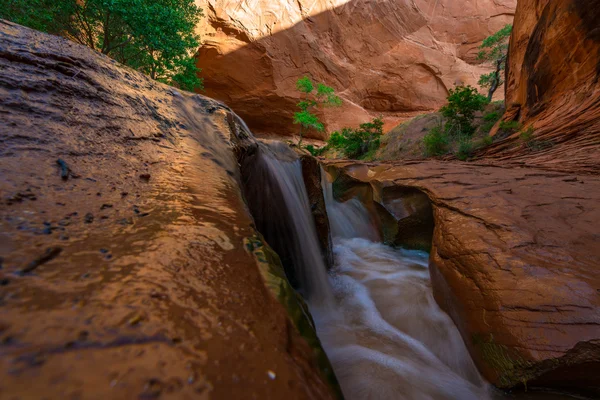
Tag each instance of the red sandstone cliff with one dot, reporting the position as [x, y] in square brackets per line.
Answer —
[553, 85]
[384, 57]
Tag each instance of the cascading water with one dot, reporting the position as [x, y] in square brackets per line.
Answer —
[278, 200]
[386, 337]
[374, 312]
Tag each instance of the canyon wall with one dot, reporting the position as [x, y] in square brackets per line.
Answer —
[553, 85]
[392, 58]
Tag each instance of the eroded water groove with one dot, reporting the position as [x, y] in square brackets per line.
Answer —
[374, 311]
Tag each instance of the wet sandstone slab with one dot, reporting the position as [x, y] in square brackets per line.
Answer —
[514, 261]
[130, 265]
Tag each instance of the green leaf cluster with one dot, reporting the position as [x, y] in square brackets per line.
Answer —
[356, 143]
[494, 50]
[321, 95]
[153, 36]
[436, 142]
[463, 103]
[495, 47]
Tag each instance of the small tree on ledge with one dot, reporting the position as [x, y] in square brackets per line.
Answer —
[494, 50]
[322, 95]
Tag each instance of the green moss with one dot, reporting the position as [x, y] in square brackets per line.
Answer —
[512, 369]
[275, 280]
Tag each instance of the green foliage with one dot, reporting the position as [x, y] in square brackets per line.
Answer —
[490, 120]
[336, 140]
[494, 50]
[495, 46]
[487, 140]
[534, 144]
[492, 116]
[463, 103]
[44, 15]
[358, 143]
[436, 142]
[305, 85]
[185, 75]
[510, 126]
[527, 134]
[323, 96]
[465, 148]
[308, 120]
[314, 151]
[153, 36]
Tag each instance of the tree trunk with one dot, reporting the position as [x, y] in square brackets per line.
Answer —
[496, 81]
[300, 139]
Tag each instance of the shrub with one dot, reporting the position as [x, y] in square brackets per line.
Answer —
[336, 140]
[490, 120]
[463, 103]
[465, 148]
[488, 140]
[357, 143]
[527, 134]
[510, 126]
[436, 142]
[314, 151]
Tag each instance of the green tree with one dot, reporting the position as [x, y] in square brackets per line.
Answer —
[463, 103]
[322, 95]
[153, 36]
[494, 50]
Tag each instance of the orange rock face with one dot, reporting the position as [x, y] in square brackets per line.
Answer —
[553, 85]
[393, 58]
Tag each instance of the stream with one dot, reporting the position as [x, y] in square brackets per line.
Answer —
[374, 311]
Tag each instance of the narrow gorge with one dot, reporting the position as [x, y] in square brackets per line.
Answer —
[157, 243]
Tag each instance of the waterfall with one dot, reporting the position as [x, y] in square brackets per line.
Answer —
[385, 336]
[277, 197]
[374, 311]
[349, 219]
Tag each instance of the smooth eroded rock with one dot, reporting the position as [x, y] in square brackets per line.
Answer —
[130, 264]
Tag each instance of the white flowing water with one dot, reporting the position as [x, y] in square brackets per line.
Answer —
[281, 181]
[385, 335]
[374, 312]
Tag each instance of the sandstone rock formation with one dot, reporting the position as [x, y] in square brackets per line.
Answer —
[384, 57]
[130, 265]
[514, 262]
[553, 85]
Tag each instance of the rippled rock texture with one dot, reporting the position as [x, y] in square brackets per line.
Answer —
[514, 262]
[130, 266]
[553, 77]
[390, 57]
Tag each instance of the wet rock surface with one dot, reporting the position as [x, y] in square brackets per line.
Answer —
[514, 262]
[130, 267]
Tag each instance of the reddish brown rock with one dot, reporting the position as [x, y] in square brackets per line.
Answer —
[514, 262]
[553, 85]
[384, 57]
[117, 287]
